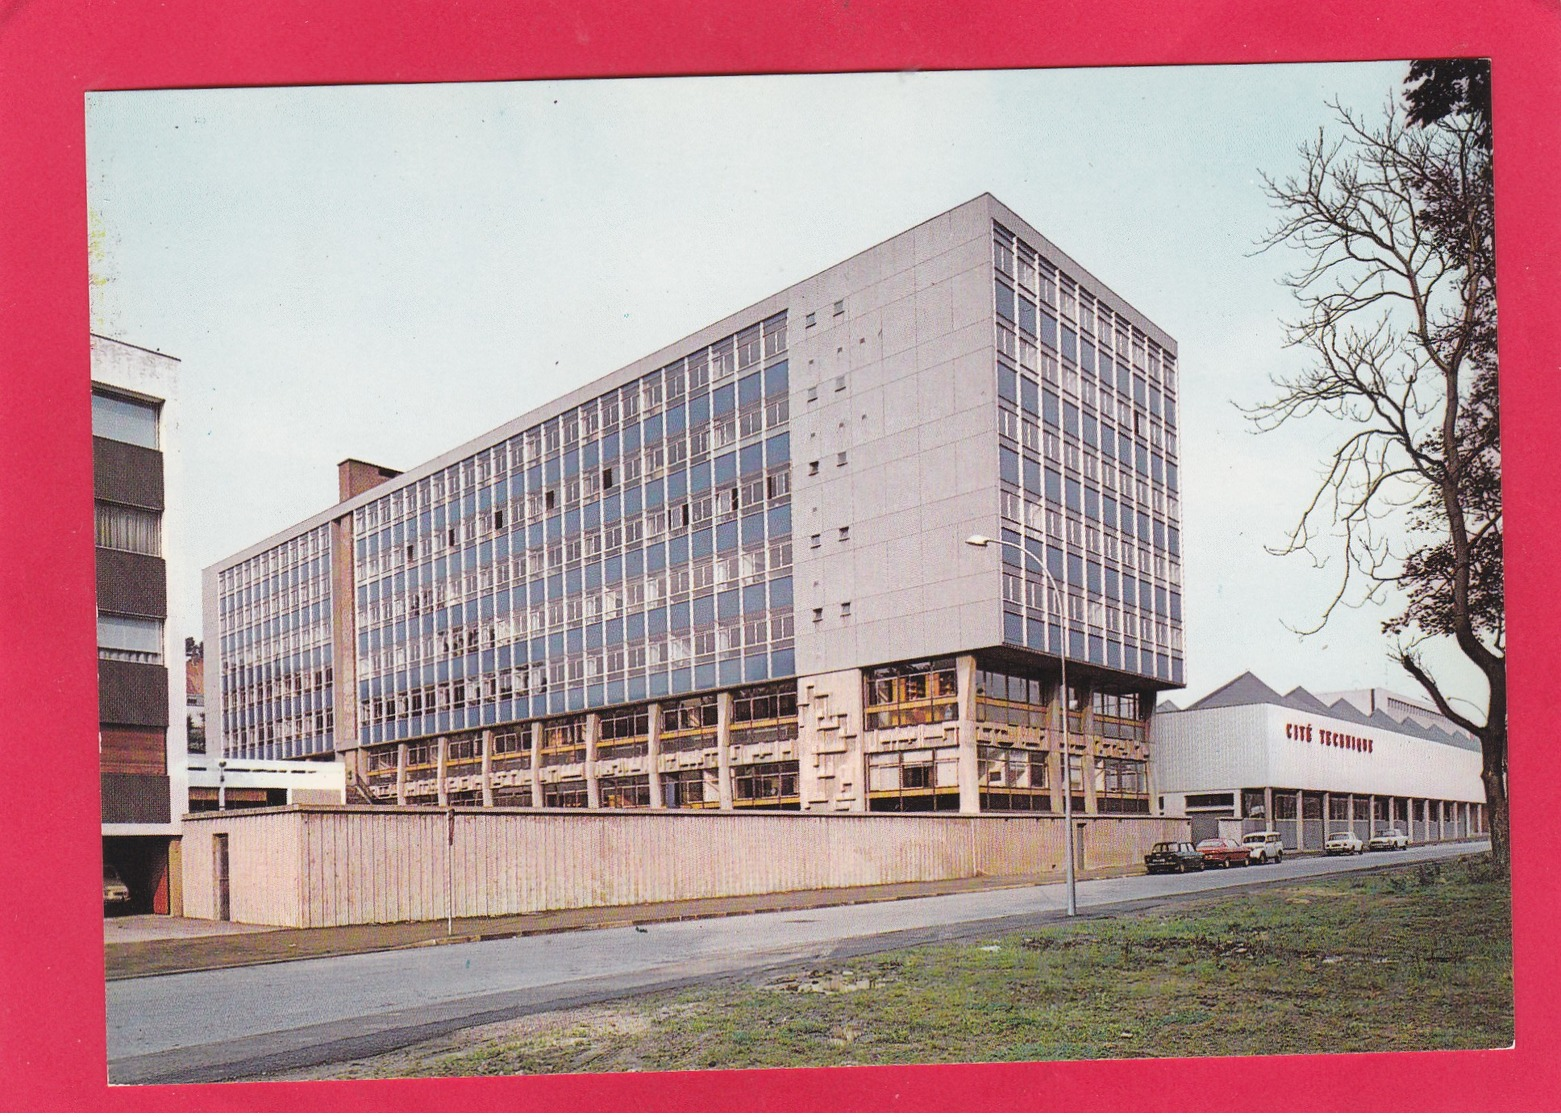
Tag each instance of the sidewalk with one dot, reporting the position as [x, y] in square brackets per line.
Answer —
[182, 945]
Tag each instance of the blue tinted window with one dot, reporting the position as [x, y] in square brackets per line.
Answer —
[1027, 316]
[703, 543]
[749, 389]
[776, 379]
[777, 449]
[725, 468]
[726, 537]
[1070, 419]
[780, 592]
[704, 610]
[677, 551]
[1070, 343]
[751, 459]
[676, 419]
[1048, 330]
[677, 486]
[725, 399]
[699, 478]
[1049, 408]
[655, 557]
[1007, 384]
[753, 528]
[1032, 476]
[728, 605]
[1008, 465]
[780, 521]
[1029, 396]
[1005, 302]
[1075, 502]
[753, 599]
[677, 616]
[1053, 486]
[698, 411]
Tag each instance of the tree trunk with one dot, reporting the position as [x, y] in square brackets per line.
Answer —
[1494, 776]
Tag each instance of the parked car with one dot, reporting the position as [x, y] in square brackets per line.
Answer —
[1265, 846]
[1389, 839]
[1223, 852]
[1343, 841]
[116, 893]
[1173, 857]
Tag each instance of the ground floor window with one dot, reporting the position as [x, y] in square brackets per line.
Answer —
[771, 786]
[624, 791]
[512, 796]
[691, 787]
[914, 780]
[565, 793]
[468, 798]
[1013, 779]
[1121, 785]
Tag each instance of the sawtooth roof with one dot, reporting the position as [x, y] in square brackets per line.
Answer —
[1246, 689]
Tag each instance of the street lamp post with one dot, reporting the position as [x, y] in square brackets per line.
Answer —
[1067, 759]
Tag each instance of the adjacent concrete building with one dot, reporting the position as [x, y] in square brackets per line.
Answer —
[1308, 765]
[734, 574]
[141, 736]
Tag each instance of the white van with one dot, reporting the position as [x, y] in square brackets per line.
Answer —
[1265, 847]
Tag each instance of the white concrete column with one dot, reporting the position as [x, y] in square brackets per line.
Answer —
[441, 759]
[401, 774]
[1300, 819]
[1441, 820]
[653, 756]
[487, 767]
[536, 764]
[965, 727]
[1269, 821]
[1327, 815]
[593, 728]
[723, 749]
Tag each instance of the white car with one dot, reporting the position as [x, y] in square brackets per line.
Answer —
[1265, 846]
[1344, 841]
[1389, 839]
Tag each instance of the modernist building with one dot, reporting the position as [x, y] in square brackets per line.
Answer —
[1364, 760]
[735, 574]
[141, 736]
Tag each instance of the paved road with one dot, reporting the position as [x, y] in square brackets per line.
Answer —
[237, 1023]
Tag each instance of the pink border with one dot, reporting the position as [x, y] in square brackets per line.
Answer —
[51, 975]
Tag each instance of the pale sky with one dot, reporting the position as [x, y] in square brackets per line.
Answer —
[385, 272]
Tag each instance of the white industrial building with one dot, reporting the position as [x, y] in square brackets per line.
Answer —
[1305, 765]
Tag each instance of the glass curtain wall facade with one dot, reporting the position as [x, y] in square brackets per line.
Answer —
[636, 546]
[1088, 468]
[274, 622]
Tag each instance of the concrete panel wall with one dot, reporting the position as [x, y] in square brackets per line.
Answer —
[318, 867]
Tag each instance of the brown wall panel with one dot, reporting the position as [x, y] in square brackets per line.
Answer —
[132, 694]
[131, 584]
[134, 798]
[127, 474]
[131, 751]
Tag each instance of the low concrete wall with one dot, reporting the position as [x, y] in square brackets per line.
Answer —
[319, 866]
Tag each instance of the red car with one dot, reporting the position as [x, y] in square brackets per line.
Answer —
[1222, 853]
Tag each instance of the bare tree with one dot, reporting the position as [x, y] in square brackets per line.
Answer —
[1398, 316]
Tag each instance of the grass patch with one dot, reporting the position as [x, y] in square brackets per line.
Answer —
[1415, 958]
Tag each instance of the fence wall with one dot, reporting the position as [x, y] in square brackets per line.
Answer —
[319, 866]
